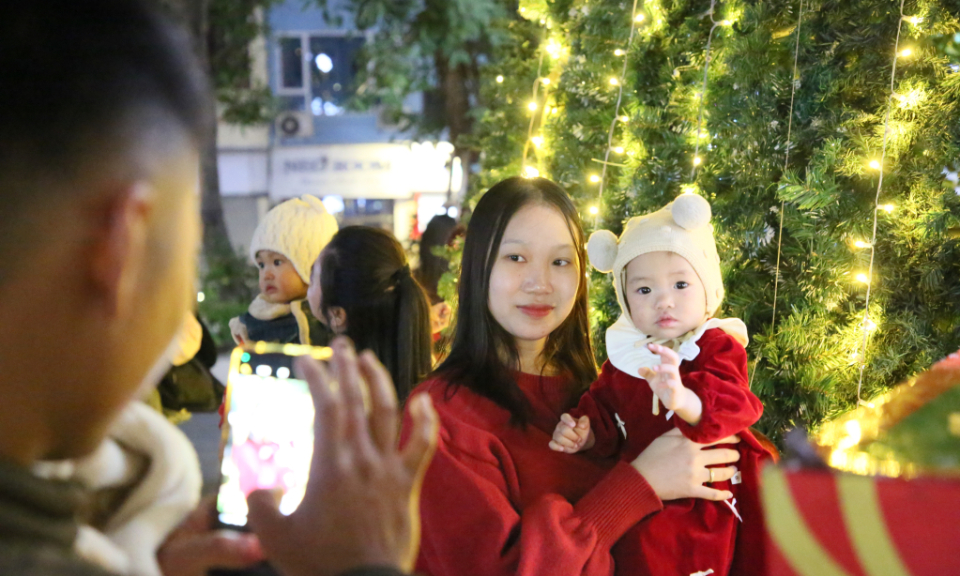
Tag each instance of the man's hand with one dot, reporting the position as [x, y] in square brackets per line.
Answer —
[361, 505]
[195, 547]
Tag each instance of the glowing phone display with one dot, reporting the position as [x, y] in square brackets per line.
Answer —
[268, 430]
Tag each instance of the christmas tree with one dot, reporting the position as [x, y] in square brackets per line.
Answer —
[626, 110]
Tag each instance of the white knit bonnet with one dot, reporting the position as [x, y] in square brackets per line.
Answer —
[299, 229]
[682, 227]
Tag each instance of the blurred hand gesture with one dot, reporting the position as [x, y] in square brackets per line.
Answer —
[361, 502]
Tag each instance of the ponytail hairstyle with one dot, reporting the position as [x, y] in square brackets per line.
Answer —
[364, 271]
[483, 356]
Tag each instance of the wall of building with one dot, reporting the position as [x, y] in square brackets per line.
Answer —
[350, 159]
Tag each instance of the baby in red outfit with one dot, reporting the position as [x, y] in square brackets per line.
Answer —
[673, 365]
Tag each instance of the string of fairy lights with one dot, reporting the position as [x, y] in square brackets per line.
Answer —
[538, 106]
[867, 326]
[697, 160]
[533, 106]
[617, 81]
[794, 81]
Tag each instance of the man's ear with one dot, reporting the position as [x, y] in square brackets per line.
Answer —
[338, 319]
[119, 246]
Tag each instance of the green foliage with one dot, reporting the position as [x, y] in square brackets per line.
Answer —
[948, 44]
[229, 284]
[234, 25]
[503, 119]
[808, 368]
[228, 281]
[440, 47]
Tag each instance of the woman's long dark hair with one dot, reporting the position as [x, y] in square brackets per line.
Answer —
[483, 355]
[439, 232]
[364, 271]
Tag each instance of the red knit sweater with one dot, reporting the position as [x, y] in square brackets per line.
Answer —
[497, 501]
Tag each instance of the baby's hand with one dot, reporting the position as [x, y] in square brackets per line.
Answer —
[665, 382]
[572, 436]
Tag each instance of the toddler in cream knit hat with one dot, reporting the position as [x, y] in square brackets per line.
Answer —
[284, 247]
[672, 364]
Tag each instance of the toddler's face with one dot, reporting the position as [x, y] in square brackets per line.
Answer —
[279, 281]
[665, 295]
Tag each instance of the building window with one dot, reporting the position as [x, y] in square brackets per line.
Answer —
[317, 72]
[291, 63]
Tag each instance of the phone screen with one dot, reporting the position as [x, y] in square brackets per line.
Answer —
[268, 434]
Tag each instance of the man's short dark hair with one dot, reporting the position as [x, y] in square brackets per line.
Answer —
[84, 76]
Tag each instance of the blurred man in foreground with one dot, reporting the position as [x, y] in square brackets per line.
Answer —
[102, 114]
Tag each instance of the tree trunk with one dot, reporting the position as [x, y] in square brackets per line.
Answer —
[193, 15]
[456, 96]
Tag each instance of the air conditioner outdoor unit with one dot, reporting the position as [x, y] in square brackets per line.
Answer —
[295, 124]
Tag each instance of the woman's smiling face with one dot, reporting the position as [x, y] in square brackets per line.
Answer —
[535, 276]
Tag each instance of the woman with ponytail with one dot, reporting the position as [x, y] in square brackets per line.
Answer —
[361, 286]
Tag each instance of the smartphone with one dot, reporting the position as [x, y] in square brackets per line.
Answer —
[267, 435]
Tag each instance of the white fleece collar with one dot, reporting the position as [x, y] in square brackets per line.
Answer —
[627, 346]
[263, 310]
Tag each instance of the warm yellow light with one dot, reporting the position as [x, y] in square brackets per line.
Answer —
[888, 208]
[875, 164]
[911, 99]
[906, 53]
[861, 244]
[618, 149]
[618, 52]
[861, 277]
[545, 81]
[594, 178]
[726, 23]
[530, 172]
[697, 160]
[913, 19]
[624, 118]
[870, 325]
[614, 81]
[594, 210]
[639, 18]
[532, 106]
[537, 141]
[554, 110]
[553, 48]
[631, 153]
[852, 436]
[500, 79]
